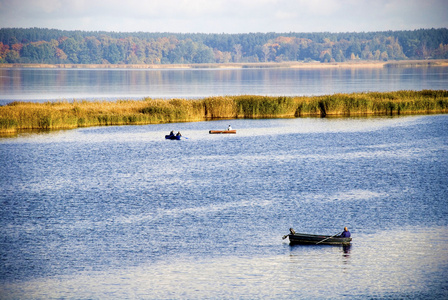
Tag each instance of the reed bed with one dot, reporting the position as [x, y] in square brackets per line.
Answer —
[17, 116]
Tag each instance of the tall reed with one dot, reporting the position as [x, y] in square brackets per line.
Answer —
[264, 107]
[63, 114]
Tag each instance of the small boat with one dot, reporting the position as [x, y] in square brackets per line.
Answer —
[222, 131]
[313, 239]
[172, 137]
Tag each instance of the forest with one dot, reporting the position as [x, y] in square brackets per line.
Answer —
[51, 46]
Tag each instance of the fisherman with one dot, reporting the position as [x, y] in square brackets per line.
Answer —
[172, 133]
[229, 128]
[178, 134]
[345, 233]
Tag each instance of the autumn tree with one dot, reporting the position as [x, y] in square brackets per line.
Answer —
[37, 45]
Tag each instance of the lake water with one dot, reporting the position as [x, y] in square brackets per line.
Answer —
[68, 84]
[122, 213]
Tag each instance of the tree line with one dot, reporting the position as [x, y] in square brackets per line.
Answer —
[51, 46]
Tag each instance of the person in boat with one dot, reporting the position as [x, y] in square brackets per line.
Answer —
[178, 134]
[345, 233]
[172, 133]
[229, 128]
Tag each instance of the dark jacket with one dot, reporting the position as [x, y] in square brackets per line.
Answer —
[345, 234]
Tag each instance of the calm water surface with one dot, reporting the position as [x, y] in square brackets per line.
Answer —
[63, 84]
[120, 212]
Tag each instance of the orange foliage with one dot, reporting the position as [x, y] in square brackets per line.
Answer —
[3, 50]
[17, 47]
[61, 54]
[284, 40]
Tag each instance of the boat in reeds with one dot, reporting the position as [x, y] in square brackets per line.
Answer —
[172, 137]
[314, 239]
[222, 131]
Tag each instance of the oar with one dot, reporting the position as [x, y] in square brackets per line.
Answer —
[185, 137]
[328, 238]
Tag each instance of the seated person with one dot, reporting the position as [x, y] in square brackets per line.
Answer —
[345, 233]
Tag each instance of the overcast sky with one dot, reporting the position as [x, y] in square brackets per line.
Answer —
[225, 16]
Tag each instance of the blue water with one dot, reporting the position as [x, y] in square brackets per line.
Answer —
[120, 212]
[68, 84]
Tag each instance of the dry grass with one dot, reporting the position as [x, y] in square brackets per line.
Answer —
[57, 115]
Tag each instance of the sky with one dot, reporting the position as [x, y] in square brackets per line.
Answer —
[225, 16]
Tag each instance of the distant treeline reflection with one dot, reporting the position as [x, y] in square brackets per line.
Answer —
[17, 116]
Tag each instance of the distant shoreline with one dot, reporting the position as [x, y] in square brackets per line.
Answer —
[293, 65]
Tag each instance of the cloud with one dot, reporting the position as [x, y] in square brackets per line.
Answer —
[232, 16]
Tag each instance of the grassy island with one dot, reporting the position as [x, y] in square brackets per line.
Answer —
[18, 116]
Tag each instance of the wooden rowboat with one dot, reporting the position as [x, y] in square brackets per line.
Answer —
[313, 239]
[222, 131]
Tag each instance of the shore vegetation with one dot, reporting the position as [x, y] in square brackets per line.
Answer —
[62, 47]
[17, 116]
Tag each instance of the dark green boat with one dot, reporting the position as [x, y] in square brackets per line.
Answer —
[313, 239]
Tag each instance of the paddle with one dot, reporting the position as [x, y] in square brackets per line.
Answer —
[328, 238]
[185, 137]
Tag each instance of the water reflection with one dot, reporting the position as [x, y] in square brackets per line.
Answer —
[50, 84]
[346, 253]
[345, 250]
